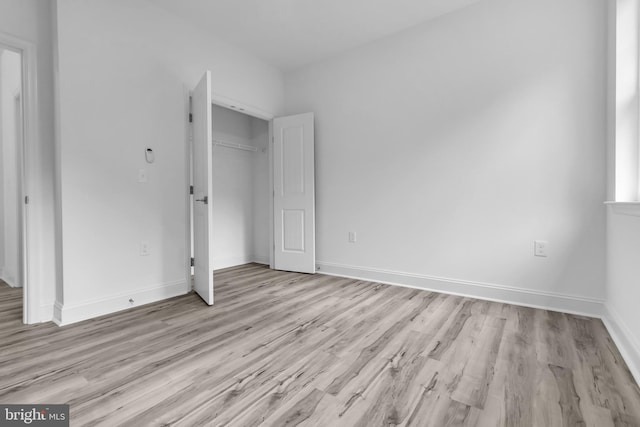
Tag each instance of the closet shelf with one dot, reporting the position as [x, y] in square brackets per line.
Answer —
[234, 145]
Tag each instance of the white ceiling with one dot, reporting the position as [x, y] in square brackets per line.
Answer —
[292, 33]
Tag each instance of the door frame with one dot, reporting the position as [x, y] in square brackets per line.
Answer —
[241, 107]
[189, 182]
[27, 180]
[250, 110]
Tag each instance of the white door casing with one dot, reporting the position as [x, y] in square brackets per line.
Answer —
[30, 186]
[202, 191]
[294, 193]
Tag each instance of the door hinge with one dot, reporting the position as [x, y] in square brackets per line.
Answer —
[191, 189]
[26, 200]
[193, 262]
[190, 118]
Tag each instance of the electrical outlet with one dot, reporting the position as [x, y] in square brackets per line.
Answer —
[352, 237]
[144, 248]
[540, 248]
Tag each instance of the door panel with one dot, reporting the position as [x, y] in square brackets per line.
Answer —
[202, 192]
[294, 193]
[293, 230]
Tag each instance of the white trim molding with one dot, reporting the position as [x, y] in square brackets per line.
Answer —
[624, 339]
[46, 312]
[30, 233]
[625, 208]
[11, 281]
[486, 291]
[65, 314]
[241, 107]
[220, 263]
[261, 259]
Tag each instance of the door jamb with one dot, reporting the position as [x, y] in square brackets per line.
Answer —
[189, 182]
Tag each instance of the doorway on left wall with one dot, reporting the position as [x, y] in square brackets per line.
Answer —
[12, 229]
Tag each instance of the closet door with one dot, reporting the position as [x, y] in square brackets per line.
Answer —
[294, 194]
[202, 192]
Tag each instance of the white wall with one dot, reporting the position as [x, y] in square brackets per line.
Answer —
[30, 20]
[623, 219]
[261, 194]
[623, 292]
[449, 148]
[239, 199]
[10, 87]
[123, 68]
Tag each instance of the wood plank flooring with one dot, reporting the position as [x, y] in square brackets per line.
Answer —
[281, 349]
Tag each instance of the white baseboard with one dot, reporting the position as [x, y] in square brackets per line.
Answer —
[624, 339]
[232, 261]
[220, 263]
[261, 259]
[65, 314]
[620, 332]
[499, 293]
[11, 281]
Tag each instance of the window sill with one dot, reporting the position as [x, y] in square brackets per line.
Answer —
[625, 208]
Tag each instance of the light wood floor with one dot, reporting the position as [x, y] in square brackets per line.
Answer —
[284, 349]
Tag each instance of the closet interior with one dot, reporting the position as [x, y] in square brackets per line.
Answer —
[240, 188]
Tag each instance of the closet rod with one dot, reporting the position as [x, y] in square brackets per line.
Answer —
[234, 145]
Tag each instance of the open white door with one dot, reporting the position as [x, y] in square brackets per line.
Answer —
[202, 195]
[294, 194]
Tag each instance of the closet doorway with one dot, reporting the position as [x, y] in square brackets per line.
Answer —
[253, 188]
[240, 188]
